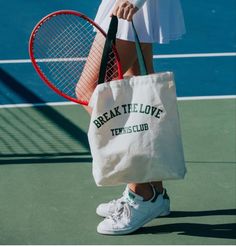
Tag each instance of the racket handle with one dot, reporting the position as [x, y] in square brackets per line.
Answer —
[110, 41]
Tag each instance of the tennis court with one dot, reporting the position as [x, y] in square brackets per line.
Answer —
[47, 192]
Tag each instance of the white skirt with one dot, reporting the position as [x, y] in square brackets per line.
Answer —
[159, 21]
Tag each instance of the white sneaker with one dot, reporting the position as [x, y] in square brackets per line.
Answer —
[107, 209]
[131, 214]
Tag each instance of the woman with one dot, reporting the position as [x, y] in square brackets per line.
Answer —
[156, 21]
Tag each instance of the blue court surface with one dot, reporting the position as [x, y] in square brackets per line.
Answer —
[211, 35]
[47, 193]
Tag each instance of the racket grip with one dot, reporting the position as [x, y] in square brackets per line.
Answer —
[110, 41]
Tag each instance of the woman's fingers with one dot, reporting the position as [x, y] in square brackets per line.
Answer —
[131, 14]
[124, 9]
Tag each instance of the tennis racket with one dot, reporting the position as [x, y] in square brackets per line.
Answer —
[66, 49]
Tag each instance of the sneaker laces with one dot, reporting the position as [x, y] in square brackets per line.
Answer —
[124, 206]
[123, 210]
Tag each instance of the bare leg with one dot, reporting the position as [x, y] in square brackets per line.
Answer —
[88, 78]
[128, 56]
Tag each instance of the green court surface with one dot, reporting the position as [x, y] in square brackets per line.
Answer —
[48, 196]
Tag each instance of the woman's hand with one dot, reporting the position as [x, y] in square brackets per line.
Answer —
[124, 9]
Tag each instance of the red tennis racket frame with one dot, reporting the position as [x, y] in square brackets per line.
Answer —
[34, 62]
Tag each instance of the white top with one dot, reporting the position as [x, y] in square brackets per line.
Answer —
[157, 21]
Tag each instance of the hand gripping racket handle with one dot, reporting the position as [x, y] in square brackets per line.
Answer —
[110, 41]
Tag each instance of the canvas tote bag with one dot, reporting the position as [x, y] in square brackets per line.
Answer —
[134, 132]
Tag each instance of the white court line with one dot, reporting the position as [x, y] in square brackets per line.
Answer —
[192, 55]
[72, 103]
[37, 104]
[206, 97]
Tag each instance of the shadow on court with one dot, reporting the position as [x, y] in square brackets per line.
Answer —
[183, 214]
[45, 158]
[226, 231]
[38, 134]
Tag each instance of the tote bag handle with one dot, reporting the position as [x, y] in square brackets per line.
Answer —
[141, 61]
[110, 41]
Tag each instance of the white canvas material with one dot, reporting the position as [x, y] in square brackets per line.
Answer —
[134, 133]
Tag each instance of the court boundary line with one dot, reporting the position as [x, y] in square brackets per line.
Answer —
[167, 56]
[64, 103]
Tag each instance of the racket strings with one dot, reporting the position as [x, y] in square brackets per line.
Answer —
[68, 51]
[68, 46]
